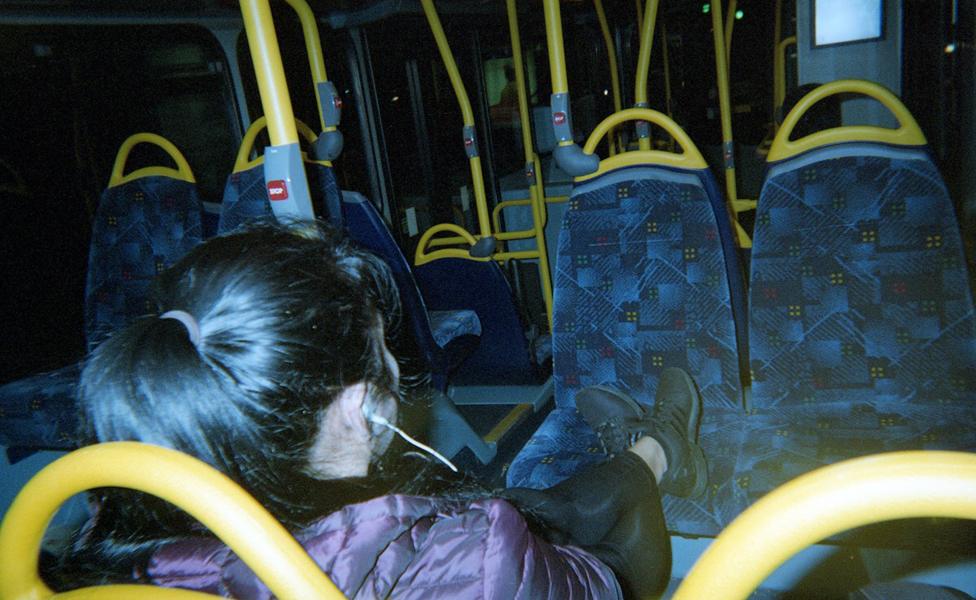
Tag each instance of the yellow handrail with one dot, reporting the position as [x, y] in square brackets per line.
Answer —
[313, 46]
[181, 172]
[725, 114]
[601, 16]
[263, 44]
[729, 24]
[779, 79]
[481, 203]
[243, 160]
[216, 501]
[688, 158]
[536, 190]
[862, 491]
[908, 133]
[644, 62]
[422, 256]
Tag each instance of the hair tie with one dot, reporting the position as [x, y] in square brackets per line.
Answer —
[192, 327]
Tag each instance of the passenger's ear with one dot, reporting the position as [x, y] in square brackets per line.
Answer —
[350, 404]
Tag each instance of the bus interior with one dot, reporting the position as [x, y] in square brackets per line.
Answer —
[818, 287]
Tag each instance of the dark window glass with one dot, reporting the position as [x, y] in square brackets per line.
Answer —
[71, 95]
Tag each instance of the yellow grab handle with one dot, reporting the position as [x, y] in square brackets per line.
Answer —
[424, 256]
[861, 491]
[247, 144]
[216, 501]
[689, 157]
[182, 171]
[907, 133]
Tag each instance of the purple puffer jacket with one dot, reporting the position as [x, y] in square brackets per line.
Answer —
[409, 547]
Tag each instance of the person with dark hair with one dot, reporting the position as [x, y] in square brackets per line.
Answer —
[267, 359]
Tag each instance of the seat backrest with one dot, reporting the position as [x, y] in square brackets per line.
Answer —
[246, 198]
[642, 284]
[366, 227]
[145, 221]
[859, 292]
[503, 354]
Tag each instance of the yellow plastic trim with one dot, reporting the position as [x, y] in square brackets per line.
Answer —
[270, 76]
[689, 158]
[825, 502]
[243, 162]
[216, 501]
[423, 256]
[182, 171]
[907, 133]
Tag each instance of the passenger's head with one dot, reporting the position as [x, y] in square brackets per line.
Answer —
[289, 354]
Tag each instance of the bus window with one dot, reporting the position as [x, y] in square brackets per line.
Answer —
[72, 94]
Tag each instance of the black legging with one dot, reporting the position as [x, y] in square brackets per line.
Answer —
[612, 510]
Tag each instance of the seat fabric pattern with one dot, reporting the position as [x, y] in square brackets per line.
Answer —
[140, 228]
[783, 443]
[40, 412]
[859, 287]
[246, 200]
[641, 285]
[861, 316]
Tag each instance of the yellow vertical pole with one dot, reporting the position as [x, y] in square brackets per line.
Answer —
[474, 161]
[725, 111]
[644, 62]
[613, 139]
[262, 42]
[554, 42]
[536, 192]
[729, 24]
[313, 46]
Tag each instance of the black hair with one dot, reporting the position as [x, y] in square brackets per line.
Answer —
[288, 317]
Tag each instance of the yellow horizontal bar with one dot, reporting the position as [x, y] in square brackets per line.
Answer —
[506, 424]
[742, 205]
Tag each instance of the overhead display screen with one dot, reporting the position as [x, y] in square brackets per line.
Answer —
[847, 21]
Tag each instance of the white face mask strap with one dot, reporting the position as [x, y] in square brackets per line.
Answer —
[384, 423]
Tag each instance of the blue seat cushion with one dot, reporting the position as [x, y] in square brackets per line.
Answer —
[40, 411]
[446, 325]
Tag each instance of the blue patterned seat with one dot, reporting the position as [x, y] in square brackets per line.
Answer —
[503, 356]
[443, 339]
[646, 278]
[246, 199]
[861, 327]
[145, 221]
